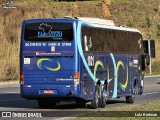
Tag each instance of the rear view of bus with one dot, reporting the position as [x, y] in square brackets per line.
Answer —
[48, 68]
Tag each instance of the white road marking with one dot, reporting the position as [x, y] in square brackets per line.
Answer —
[152, 76]
[7, 86]
[151, 93]
[74, 116]
[65, 118]
[10, 92]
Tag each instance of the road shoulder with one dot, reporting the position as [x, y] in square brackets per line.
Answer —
[9, 83]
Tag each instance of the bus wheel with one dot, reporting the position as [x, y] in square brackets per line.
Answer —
[103, 98]
[131, 99]
[81, 103]
[96, 99]
[46, 104]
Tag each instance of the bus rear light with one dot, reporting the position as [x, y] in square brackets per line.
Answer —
[76, 81]
[76, 78]
[21, 78]
[76, 75]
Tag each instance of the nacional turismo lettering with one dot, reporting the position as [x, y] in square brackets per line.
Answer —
[53, 34]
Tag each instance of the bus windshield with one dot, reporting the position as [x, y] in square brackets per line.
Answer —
[48, 31]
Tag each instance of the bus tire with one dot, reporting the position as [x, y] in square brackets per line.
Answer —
[96, 99]
[103, 101]
[131, 99]
[46, 104]
[103, 98]
[81, 103]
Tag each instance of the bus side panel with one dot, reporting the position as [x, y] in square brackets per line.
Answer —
[118, 79]
[127, 72]
[100, 68]
[119, 71]
[87, 83]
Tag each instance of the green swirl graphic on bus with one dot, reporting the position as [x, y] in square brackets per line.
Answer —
[98, 63]
[41, 66]
[122, 86]
[120, 63]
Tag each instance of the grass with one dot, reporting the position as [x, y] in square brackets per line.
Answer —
[143, 15]
[9, 54]
[11, 20]
[122, 111]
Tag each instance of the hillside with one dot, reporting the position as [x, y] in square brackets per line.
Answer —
[11, 19]
[144, 15]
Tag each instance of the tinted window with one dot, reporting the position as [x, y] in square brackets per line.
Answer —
[48, 31]
[109, 40]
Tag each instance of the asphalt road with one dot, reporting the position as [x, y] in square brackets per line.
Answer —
[10, 100]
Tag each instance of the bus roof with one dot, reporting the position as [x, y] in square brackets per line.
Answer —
[118, 28]
[48, 20]
[103, 23]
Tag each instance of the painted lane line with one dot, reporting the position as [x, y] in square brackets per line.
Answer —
[151, 93]
[74, 116]
[66, 118]
[7, 86]
[152, 85]
[10, 92]
[152, 76]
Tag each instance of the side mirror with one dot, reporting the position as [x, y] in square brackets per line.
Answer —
[152, 47]
[149, 47]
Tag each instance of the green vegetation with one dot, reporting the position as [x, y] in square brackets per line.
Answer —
[118, 111]
[143, 15]
[11, 20]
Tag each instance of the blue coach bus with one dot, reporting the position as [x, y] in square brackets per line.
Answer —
[69, 59]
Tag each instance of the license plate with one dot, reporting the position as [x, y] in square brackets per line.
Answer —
[48, 91]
